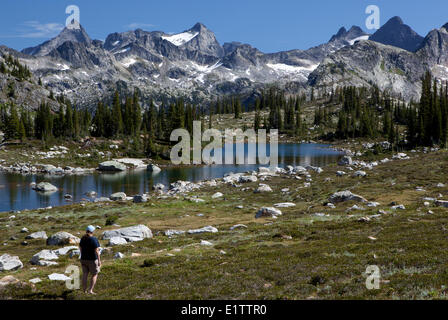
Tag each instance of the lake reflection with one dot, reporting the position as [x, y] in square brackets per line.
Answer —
[16, 193]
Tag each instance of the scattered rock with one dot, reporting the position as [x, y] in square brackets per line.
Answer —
[238, 226]
[119, 196]
[196, 200]
[284, 205]
[91, 194]
[140, 199]
[74, 253]
[346, 161]
[399, 207]
[360, 174]
[62, 238]
[208, 229]
[217, 195]
[45, 255]
[344, 196]
[355, 207]
[206, 243]
[7, 281]
[117, 241]
[45, 187]
[10, 263]
[131, 234]
[58, 277]
[24, 230]
[263, 188]
[373, 204]
[268, 213]
[35, 280]
[102, 199]
[247, 179]
[37, 235]
[45, 263]
[170, 233]
[153, 168]
[64, 251]
[158, 187]
[112, 166]
[118, 256]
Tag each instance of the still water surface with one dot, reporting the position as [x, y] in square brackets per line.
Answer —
[16, 193]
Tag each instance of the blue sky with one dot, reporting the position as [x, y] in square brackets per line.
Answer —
[268, 25]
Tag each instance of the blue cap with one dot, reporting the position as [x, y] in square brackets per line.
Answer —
[90, 229]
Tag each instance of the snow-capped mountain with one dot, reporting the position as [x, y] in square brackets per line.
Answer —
[194, 65]
[191, 64]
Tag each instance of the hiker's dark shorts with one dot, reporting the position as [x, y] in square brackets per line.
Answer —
[90, 266]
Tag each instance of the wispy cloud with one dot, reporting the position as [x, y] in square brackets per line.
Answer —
[137, 25]
[35, 29]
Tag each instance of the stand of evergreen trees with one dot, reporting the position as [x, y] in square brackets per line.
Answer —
[13, 67]
[361, 112]
[427, 121]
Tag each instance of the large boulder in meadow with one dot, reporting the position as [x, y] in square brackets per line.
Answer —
[112, 166]
[10, 263]
[131, 234]
[44, 255]
[62, 238]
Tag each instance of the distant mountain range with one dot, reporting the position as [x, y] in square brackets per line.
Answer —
[194, 65]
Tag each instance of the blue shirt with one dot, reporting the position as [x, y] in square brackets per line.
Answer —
[88, 248]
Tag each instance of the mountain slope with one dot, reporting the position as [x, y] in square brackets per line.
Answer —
[192, 64]
[388, 67]
[75, 35]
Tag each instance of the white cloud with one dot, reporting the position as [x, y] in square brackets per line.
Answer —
[138, 25]
[35, 29]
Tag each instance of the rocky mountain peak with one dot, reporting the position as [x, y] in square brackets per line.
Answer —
[203, 41]
[199, 27]
[398, 34]
[75, 35]
[445, 27]
[344, 35]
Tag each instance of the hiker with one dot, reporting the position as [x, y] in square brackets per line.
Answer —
[90, 259]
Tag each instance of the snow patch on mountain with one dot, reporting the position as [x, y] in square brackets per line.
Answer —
[128, 61]
[123, 50]
[63, 67]
[181, 38]
[362, 38]
[286, 68]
